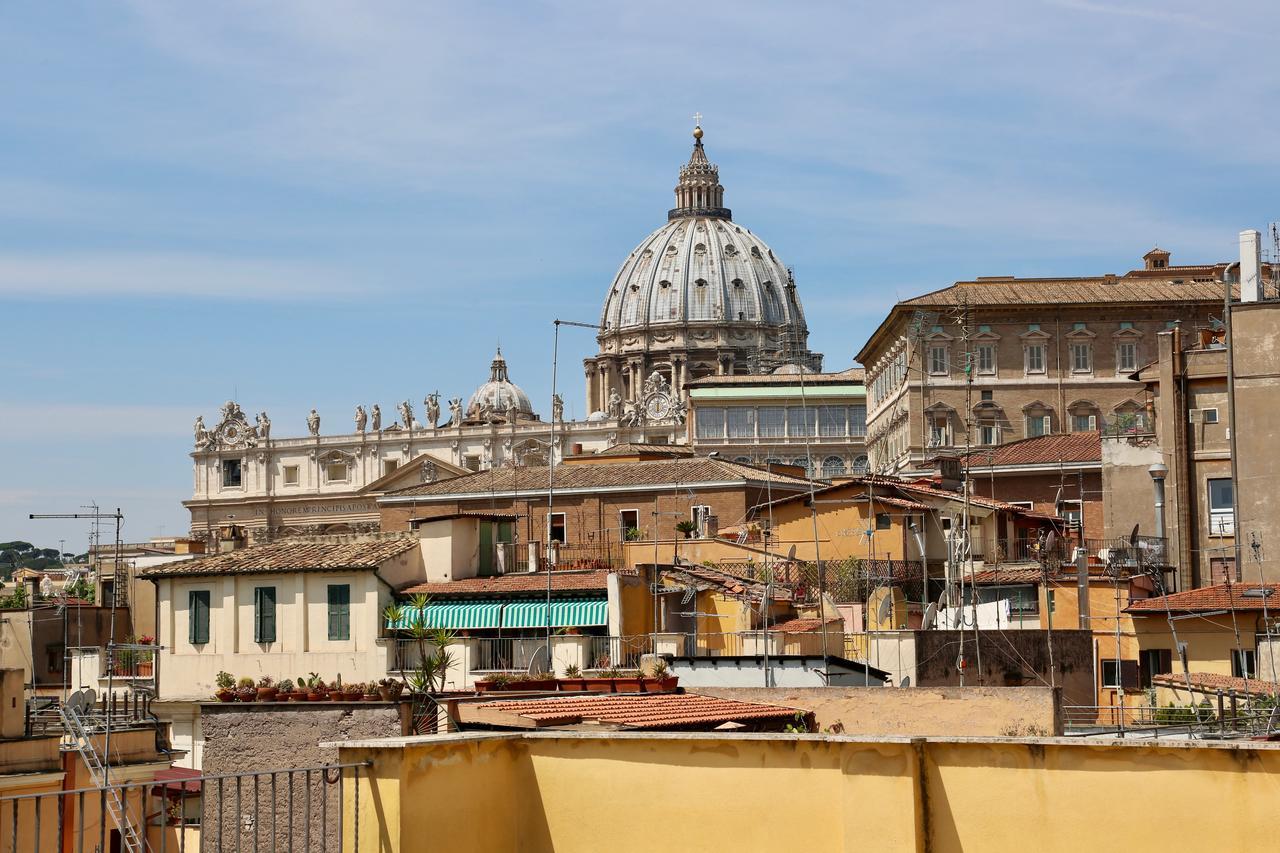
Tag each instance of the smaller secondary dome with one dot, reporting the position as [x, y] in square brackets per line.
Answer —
[499, 395]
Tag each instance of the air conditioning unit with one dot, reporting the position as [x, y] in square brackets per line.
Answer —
[1193, 416]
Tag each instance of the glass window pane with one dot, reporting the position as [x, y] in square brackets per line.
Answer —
[710, 422]
[832, 466]
[1220, 494]
[831, 420]
[857, 420]
[742, 422]
[772, 421]
[800, 421]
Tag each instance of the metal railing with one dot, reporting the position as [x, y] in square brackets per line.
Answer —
[593, 555]
[617, 652]
[284, 809]
[125, 710]
[1222, 716]
[504, 654]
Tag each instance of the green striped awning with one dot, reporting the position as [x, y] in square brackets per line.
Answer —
[565, 613]
[452, 614]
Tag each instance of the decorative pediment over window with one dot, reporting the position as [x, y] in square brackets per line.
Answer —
[989, 406]
[938, 335]
[940, 408]
[1128, 407]
[986, 336]
[1037, 406]
[335, 456]
[1035, 336]
[1082, 407]
[1081, 334]
[1128, 333]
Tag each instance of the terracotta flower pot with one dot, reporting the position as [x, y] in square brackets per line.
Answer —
[314, 696]
[384, 693]
[267, 694]
[371, 697]
[628, 685]
[226, 695]
[248, 694]
[572, 685]
[600, 685]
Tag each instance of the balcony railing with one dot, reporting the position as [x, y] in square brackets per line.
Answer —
[617, 652]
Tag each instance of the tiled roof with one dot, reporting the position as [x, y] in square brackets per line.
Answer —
[318, 554]
[1220, 597]
[1213, 682]
[728, 583]
[179, 779]
[514, 583]
[889, 500]
[935, 491]
[1042, 450]
[482, 514]
[533, 479]
[1070, 291]
[1001, 576]
[636, 710]
[802, 626]
[634, 448]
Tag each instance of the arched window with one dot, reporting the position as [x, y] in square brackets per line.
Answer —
[860, 465]
[833, 466]
[746, 460]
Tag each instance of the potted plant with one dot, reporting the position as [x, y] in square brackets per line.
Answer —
[604, 681]
[660, 679]
[494, 682]
[145, 658]
[246, 691]
[226, 687]
[631, 681]
[284, 690]
[316, 689]
[369, 691]
[573, 680]
[688, 528]
[534, 681]
[267, 690]
[389, 689]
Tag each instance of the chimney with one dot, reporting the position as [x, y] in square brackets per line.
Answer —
[1250, 265]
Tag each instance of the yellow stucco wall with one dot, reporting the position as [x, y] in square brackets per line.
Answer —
[625, 792]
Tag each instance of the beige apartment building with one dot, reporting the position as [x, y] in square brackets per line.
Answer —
[989, 361]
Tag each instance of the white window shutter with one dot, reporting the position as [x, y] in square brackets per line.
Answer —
[1093, 422]
[1048, 424]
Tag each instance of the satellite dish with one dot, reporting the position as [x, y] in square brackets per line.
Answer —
[1050, 541]
[930, 617]
[906, 681]
[885, 609]
[1133, 537]
[942, 599]
[540, 662]
[74, 700]
[791, 553]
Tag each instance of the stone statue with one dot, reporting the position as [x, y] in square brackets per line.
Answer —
[557, 408]
[455, 411]
[406, 414]
[376, 412]
[362, 420]
[264, 426]
[313, 423]
[429, 471]
[202, 434]
[432, 402]
[615, 404]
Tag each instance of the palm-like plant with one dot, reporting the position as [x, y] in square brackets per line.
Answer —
[434, 657]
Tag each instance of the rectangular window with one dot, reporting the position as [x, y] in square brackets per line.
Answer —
[989, 434]
[986, 358]
[1127, 357]
[231, 474]
[389, 465]
[710, 422]
[938, 361]
[940, 431]
[336, 472]
[772, 421]
[800, 421]
[1023, 600]
[291, 475]
[699, 514]
[264, 614]
[1038, 425]
[628, 524]
[558, 527]
[1071, 512]
[1114, 672]
[857, 420]
[883, 521]
[742, 422]
[1152, 662]
[1084, 423]
[339, 611]
[1244, 663]
[1080, 358]
[471, 462]
[1035, 358]
[198, 616]
[1221, 517]
[831, 420]
[1209, 416]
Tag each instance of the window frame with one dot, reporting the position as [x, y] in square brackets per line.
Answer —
[986, 358]
[328, 471]
[199, 616]
[622, 523]
[223, 468]
[1077, 348]
[297, 475]
[563, 525]
[1038, 349]
[1130, 347]
[264, 614]
[338, 612]
[939, 360]
[1220, 519]
[1242, 660]
[705, 418]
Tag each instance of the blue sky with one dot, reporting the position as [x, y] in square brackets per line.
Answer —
[320, 204]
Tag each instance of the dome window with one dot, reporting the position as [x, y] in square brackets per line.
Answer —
[702, 282]
[664, 284]
[737, 283]
[634, 288]
[671, 250]
[730, 250]
[700, 248]
[768, 285]
[755, 252]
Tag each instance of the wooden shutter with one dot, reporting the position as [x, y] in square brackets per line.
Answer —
[1129, 674]
[339, 612]
[264, 613]
[198, 613]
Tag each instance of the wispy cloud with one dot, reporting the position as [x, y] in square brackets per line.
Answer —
[169, 274]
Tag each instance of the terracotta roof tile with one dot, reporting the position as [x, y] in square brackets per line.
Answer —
[631, 448]
[1001, 576]
[1074, 291]
[1220, 597]
[641, 711]
[688, 472]
[317, 554]
[514, 583]
[727, 582]
[1042, 450]
[1212, 681]
[802, 626]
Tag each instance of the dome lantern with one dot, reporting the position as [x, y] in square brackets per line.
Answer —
[699, 192]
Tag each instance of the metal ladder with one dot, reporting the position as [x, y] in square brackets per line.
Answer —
[73, 722]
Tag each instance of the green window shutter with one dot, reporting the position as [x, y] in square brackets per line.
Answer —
[339, 611]
[198, 607]
[264, 613]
